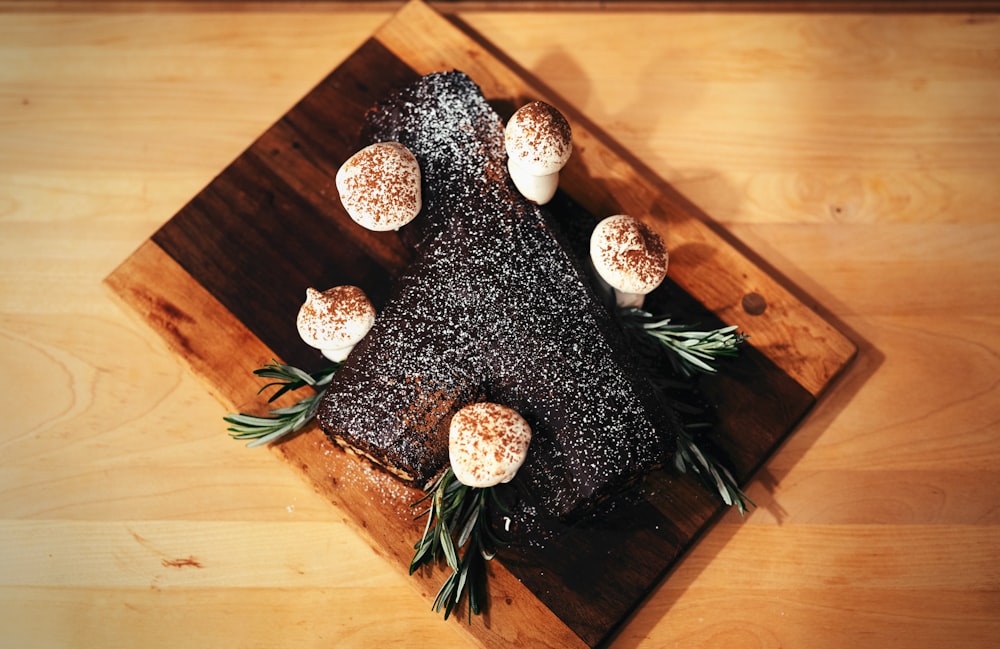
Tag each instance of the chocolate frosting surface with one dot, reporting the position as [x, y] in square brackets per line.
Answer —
[495, 308]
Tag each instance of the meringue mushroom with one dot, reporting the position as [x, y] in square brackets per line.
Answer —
[335, 320]
[629, 256]
[487, 444]
[538, 140]
[380, 186]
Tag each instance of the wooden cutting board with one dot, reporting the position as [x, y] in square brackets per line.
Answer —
[223, 279]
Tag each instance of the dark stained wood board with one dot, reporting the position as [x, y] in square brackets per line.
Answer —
[223, 279]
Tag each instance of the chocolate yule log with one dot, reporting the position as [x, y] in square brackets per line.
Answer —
[494, 308]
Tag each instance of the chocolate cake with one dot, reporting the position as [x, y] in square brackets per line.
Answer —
[495, 307]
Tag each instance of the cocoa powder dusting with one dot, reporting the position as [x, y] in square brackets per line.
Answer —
[647, 260]
[489, 438]
[544, 134]
[326, 315]
[386, 186]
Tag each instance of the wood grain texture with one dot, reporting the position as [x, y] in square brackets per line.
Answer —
[239, 254]
[876, 512]
[453, 6]
[270, 225]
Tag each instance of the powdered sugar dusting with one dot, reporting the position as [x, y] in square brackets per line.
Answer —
[493, 309]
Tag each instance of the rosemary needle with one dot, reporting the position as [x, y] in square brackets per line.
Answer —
[457, 519]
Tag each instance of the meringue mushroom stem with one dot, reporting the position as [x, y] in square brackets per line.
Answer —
[538, 188]
[622, 299]
[629, 300]
[337, 354]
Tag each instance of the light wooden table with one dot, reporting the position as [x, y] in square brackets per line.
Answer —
[859, 154]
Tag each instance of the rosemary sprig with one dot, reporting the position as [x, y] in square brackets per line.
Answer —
[713, 474]
[281, 421]
[457, 518]
[692, 350]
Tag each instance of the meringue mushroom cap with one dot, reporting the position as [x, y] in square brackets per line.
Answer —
[539, 189]
[487, 444]
[379, 186]
[538, 138]
[628, 254]
[335, 318]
